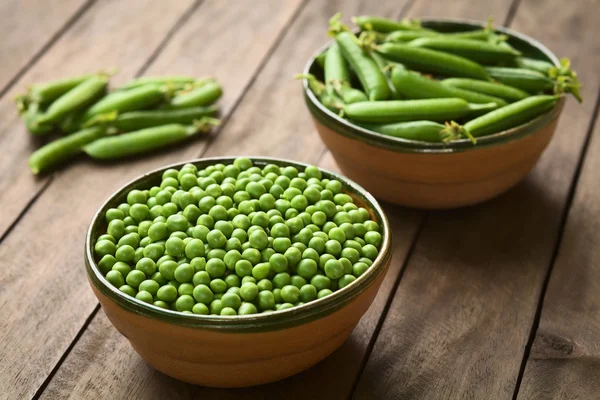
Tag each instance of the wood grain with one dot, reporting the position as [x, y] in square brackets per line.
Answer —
[51, 319]
[36, 329]
[564, 362]
[110, 34]
[27, 26]
[462, 314]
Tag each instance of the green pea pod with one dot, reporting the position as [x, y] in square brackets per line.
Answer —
[475, 50]
[75, 99]
[371, 78]
[425, 131]
[71, 122]
[49, 91]
[524, 79]
[336, 67]
[31, 117]
[407, 36]
[413, 85]
[320, 59]
[62, 149]
[540, 66]
[505, 92]
[350, 95]
[159, 80]
[437, 110]
[133, 99]
[432, 61]
[144, 140]
[135, 120]
[510, 116]
[386, 67]
[204, 95]
[384, 25]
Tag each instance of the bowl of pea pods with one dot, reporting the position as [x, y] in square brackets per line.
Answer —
[435, 113]
[231, 272]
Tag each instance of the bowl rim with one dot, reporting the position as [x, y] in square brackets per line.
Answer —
[274, 320]
[337, 123]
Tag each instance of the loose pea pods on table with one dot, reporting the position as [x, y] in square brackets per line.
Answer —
[176, 80]
[207, 93]
[59, 150]
[134, 120]
[47, 92]
[142, 141]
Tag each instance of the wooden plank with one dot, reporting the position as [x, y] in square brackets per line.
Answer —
[95, 42]
[35, 330]
[346, 362]
[38, 329]
[463, 311]
[564, 362]
[27, 27]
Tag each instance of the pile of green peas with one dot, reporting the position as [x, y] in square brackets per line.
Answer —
[237, 239]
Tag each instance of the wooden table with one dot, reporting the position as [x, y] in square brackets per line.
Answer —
[496, 301]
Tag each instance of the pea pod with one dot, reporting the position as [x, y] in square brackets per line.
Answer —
[159, 80]
[137, 98]
[505, 92]
[371, 78]
[75, 99]
[31, 120]
[320, 59]
[143, 141]
[385, 25]
[438, 110]
[475, 50]
[533, 64]
[61, 149]
[336, 68]
[432, 61]
[511, 115]
[524, 79]
[413, 85]
[135, 120]
[407, 36]
[204, 95]
[425, 131]
[49, 91]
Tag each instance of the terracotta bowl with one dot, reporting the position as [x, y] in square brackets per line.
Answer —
[433, 175]
[238, 351]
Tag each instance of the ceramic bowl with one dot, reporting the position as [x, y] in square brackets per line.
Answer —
[237, 351]
[433, 175]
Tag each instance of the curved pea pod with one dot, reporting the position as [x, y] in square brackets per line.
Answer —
[437, 110]
[31, 120]
[432, 61]
[425, 131]
[476, 50]
[505, 92]
[134, 120]
[62, 149]
[49, 91]
[336, 67]
[511, 115]
[137, 98]
[204, 95]
[385, 25]
[371, 78]
[350, 95]
[75, 99]
[413, 85]
[524, 79]
[144, 140]
[177, 80]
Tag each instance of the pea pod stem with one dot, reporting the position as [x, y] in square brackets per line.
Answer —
[326, 95]
[566, 80]
[144, 140]
[62, 149]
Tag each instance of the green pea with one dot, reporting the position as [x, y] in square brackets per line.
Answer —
[200, 308]
[184, 273]
[128, 290]
[218, 285]
[308, 293]
[261, 271]
[323, 293]
[290, 294]
[203, 294]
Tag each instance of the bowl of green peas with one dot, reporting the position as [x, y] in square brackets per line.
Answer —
[232, 272]
[437, 113]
